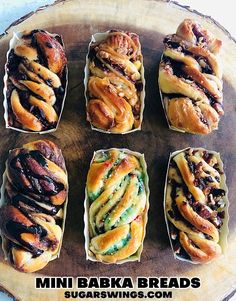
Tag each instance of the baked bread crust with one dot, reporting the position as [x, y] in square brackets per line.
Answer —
[190, 79]
[115, 83]
[31, 217]
[195, 205]
[118, 203]
[36, 81]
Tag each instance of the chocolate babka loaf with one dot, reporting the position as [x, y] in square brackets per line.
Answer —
[33, 205]
[190, 79]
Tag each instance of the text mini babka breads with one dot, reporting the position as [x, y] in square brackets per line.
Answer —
[190, 79]
[196, 205]
[33, 205]
[115, 87]
[35, 81]
[116, 206]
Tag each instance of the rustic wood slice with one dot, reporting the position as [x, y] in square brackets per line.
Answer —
[76, 21]
[6, 295]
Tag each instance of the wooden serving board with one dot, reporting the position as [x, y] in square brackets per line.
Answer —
[76, 21]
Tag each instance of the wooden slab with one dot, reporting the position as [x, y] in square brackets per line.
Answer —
[76, 21]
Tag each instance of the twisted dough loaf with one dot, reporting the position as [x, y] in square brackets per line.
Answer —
[194, 202]
[36, 81]
[31, 218]
[118, 206]
[190, 79]
[115, 83]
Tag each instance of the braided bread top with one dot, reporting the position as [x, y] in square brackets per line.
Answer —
[36, 81]
[118, 203]
[33, 211]
[190, 79]
[115, 83]
[195, 204]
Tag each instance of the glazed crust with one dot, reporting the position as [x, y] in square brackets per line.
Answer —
[115, 83]
[52, 51]
[136, 232]
[36, 81]
[194, 205]
[36, 189]
[118, 206]
[190, 79]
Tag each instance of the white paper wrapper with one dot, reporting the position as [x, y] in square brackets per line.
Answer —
[16, 37]
[224, 230]
[96, 38]
[137, 255]
[3, 201]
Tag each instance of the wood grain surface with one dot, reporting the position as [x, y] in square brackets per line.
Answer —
[76, 21]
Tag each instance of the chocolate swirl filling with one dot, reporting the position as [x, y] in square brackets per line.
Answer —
[30, 167]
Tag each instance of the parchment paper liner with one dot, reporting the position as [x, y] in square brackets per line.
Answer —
[98, 37]
[137, 255]
[3, 202]
[12, 43]
[224, 230]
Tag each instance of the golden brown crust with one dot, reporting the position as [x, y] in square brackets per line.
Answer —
[113, 112]
[98, 171]
[22, 115]
[194, 218]
[52, 51]
[190, 79]
[41, 90]
[194, 205]
[136, 233]
[25, 262]
[183, 115]
[114, 103]
[199, 249]
[36, 81]
[36, 188]
[194, 33]
[118, 203]
[24, 49]
[103, 242]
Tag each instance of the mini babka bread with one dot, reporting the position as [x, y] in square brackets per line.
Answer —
[117, 202]
[36, 80]
[115, 84]
[33, 205]
[196, 205]
[190, 79]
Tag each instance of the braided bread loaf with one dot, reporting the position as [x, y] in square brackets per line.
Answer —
[36, 80]
[116, 205]
[195, 204]
[33, 207]
[190, 79]
[115, 85]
